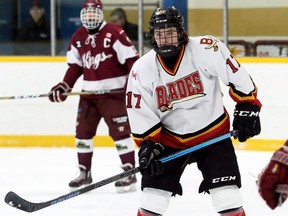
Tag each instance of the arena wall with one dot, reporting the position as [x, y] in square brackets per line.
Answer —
[252, 20]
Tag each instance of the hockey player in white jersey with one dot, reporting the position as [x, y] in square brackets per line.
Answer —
[174, 101]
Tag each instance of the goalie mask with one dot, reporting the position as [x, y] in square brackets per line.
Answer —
[91, 14]
[166, 31]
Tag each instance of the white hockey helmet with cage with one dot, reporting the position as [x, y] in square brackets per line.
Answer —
[91, 14]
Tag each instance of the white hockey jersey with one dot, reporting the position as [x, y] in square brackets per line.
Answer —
[183, 107]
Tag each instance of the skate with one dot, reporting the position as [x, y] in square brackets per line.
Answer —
[84, 178]
[127, 184]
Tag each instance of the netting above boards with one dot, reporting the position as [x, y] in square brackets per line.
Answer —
[271, 48]
[260, 48]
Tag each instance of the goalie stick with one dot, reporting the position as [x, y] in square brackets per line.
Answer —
[18, 202]
[98, 92]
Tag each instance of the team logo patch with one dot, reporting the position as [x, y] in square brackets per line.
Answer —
[82, 145]
[120, 119]
[211, 42]
[134, 74]
[121, 147]
[187, 88]
[169, 106]
[160, 12]
[108, 35]
[90, 61]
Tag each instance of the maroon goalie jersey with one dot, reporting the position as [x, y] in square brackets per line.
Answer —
[104, 58]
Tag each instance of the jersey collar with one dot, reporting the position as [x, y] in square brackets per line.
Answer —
[176, 66]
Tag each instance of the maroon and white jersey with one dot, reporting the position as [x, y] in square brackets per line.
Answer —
[104, 59]
[183, 107]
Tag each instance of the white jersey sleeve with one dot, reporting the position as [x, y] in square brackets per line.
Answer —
[140, 102]
[222, 64]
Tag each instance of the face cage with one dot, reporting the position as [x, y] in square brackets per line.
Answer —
[91, 17]
[167, 50]
[162, 39]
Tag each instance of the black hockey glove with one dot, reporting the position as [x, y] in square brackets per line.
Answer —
[149, 153]
[246, 121]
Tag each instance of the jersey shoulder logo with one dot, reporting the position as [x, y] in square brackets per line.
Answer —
[211, 42]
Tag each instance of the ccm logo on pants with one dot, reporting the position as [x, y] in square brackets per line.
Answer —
[223, 179]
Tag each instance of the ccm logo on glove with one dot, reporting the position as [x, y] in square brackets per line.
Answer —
[246, 121]
[245, 113]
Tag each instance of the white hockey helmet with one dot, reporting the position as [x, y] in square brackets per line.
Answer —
[91, 14]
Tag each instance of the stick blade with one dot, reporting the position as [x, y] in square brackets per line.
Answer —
[16, 201]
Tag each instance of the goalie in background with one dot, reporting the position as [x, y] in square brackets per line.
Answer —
[273, 181]
[174, 101]
[100, 52]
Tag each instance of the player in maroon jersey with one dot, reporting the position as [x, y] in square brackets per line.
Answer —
[104, 55]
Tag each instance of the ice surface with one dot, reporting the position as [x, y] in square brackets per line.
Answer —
[42, 174]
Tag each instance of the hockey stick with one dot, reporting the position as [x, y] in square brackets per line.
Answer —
[98, 92]
[18, 202]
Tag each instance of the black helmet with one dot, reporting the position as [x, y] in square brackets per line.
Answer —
[162, 18]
